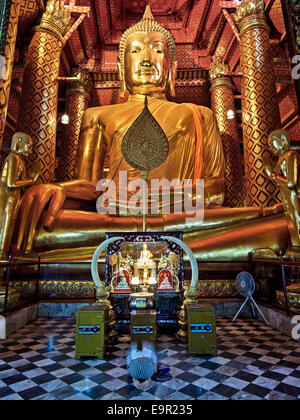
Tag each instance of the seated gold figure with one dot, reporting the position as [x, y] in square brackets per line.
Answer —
[55, 217]
[286, 175]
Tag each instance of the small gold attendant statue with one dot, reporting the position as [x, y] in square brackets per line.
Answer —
[12, 179]
[285, 175]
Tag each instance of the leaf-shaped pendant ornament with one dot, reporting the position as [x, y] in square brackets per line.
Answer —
[145, 145]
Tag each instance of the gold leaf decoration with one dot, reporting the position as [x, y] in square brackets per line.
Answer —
[145, 145]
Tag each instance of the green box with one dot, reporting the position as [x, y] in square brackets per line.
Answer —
[202, 338]
[91, 331]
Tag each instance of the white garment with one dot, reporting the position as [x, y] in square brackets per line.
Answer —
[2, 328]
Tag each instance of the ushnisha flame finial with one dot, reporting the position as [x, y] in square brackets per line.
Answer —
[148, 13]
[148, 24]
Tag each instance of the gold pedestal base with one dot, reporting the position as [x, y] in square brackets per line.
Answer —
[191, 295]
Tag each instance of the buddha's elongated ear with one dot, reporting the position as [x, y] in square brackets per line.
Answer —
[122, 79]
[172, 78]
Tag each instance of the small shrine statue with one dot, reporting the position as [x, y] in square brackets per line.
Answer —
[123, 282]
[146, 257]
[165, 284]
[12, 179]
[285, 175]
[165, 281]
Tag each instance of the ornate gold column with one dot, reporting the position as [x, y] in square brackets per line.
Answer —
[78, 97]
[9, 53]
[222, 95]
[259, 101]
[38, 105]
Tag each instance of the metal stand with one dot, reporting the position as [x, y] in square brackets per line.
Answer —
[252, 301]
[144, 176]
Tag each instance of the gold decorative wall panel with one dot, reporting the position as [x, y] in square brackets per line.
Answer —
[55, 289]
[259, 102]
[5, 84]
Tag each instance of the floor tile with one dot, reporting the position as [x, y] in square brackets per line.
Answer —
[253, 362]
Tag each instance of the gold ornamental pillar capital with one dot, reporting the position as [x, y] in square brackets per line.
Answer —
[56, 20]
[219, 76]
[251, 14]
[83, 85]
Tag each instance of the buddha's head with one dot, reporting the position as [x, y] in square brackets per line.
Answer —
[21, 144]
[147, 58]
[279, 142]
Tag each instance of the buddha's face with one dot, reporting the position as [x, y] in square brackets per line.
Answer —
[278, 142]
[22, 143]
[25, 147]
[147, 63]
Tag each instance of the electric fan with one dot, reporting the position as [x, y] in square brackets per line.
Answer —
[245, 285]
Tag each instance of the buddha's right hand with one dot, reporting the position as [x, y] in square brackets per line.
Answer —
[48, 197]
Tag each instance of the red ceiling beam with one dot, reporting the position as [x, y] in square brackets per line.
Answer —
[205, 16]
[218, 34]
[230, 46]
[269, 6]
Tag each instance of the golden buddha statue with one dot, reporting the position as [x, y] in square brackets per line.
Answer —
[286, 175]
[146, 258]
[12, 179]
[56, 218]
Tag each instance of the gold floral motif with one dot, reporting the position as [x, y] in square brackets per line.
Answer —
[27, 289]
[102, 294]
[56, 20]
[218, 70]
[55, 289]
[217, 288]
[12, 298]
[83, 85]
[249, 8]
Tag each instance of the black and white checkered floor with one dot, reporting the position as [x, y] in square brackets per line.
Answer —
[254, 362]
